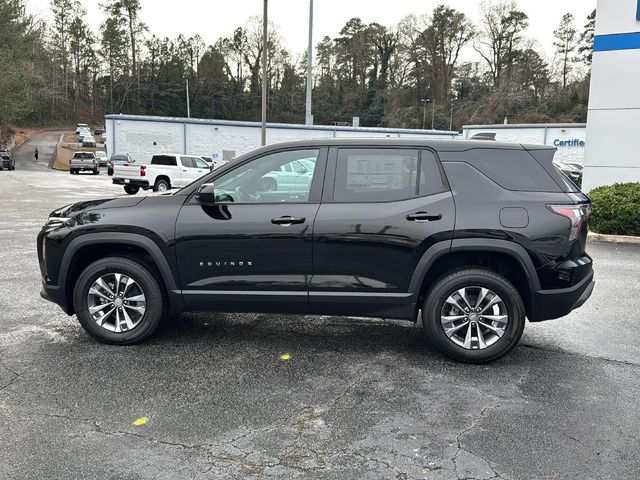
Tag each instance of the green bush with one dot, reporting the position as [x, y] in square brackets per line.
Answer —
[616, 209]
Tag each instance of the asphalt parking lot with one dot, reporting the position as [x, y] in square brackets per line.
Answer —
[355, 399]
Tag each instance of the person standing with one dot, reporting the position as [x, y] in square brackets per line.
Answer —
[35, 153]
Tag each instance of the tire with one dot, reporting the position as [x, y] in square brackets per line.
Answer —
[161, 186]
[269, 185]
[72, 171]
[145, 282]
[510, 308]
[131, 189]
[96, 172]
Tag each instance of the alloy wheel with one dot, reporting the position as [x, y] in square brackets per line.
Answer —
[116, 302]
[474, 317]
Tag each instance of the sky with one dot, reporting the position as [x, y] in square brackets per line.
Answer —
[213, 19]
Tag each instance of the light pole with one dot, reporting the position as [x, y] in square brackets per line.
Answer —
[264, 73]
[451, 117]
[308, 115]
[424, 112]
[433, 114]
[188, 105]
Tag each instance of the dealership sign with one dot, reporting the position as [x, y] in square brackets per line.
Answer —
[574, 142]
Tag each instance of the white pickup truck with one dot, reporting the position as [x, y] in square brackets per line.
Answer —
[162, 173]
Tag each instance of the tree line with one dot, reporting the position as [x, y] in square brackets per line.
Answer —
[404, 75]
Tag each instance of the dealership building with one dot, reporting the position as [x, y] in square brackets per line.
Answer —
[613, 121]
[143, 136]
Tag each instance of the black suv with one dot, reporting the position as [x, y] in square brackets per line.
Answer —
[6, 160]
[474, 235]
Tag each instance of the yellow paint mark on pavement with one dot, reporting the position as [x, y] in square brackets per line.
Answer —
[141, 421]
[285, 357]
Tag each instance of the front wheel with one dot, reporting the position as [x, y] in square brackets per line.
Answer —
[118, 301]
[473, 315]
[131, 189]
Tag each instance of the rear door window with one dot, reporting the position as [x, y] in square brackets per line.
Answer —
[386, 174]
[167, 160]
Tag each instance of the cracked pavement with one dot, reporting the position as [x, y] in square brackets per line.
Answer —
[358, 398]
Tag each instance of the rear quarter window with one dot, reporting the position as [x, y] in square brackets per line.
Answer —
[509, 168]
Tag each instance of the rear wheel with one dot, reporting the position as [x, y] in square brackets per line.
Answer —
[473, 315]
[118, 301]
[96, 171]
[131, 189]
[161, 186]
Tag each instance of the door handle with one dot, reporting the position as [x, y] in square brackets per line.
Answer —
[184, 170]
[423, 217]
[287, 220]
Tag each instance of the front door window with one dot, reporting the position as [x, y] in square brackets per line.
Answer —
[277, 177]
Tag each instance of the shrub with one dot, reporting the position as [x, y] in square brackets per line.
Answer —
[616, 209]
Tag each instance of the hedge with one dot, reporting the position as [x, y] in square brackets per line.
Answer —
[616, 209]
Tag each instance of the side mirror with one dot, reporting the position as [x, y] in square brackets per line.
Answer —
[206, 193]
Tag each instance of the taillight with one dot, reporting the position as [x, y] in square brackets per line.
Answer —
[143, 170]
[577, 215]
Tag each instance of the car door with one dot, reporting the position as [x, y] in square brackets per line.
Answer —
[250, 249]
[382, 209]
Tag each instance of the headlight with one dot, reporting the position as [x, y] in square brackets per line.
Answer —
[57, 221]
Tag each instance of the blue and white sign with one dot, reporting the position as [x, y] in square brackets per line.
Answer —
[574, 142]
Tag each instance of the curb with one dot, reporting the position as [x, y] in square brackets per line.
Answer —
[618, 239]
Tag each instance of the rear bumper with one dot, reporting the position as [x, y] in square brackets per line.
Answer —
[550, 304]
[82, 167]
[131, 181]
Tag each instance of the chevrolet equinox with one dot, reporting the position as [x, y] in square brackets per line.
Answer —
[473, 236]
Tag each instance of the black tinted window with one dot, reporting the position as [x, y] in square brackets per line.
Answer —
[84, 155]
[187, 162]
[374, 175]
[163, 160]
[511, 169]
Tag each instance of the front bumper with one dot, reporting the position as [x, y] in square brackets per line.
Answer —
[556, 303]
[132, 182]
[56, 294]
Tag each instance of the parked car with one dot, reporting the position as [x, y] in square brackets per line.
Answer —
[473, 235]
[89, 141]
[6, 160]
[574, 173]
[102, 158]
[292, 176]
[82, 161]
[164, 172]
[118, 159]
[99, 130]
[81, 126]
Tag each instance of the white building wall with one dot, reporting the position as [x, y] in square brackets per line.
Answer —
[613, 120]
[141, 137]
[552, 134]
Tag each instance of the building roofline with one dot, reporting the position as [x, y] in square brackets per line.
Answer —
[236, 123]
[526, 125]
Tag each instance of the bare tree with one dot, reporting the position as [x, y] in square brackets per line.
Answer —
[501, 34]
